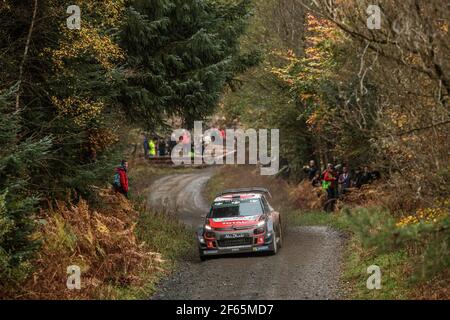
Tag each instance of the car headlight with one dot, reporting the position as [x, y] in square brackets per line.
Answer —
[208, 227]
[261, 224]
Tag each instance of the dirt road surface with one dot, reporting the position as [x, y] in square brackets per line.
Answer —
[307, 266]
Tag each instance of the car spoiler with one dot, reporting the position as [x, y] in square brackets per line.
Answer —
[245, 190]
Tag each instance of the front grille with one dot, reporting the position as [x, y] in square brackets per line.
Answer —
[235, 242]
[235, 228]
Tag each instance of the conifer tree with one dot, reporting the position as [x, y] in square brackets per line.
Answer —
[18, 200]
[182, 53]
[67, 88]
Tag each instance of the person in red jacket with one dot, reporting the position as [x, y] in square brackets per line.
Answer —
[330, 176]
[121, 178]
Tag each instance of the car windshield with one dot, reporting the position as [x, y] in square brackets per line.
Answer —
[238, 208]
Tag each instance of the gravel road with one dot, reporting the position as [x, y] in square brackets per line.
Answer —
[307, 267]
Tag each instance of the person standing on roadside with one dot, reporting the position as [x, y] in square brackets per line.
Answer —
[311, 170]
[363, 177]
[345, 181]
[120, 183]
[329, 182]
[151, 148]
[146, 148]
[161, 147]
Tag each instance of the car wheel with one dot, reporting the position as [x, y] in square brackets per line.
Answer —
[280, 236]
[202, 256]
[274, 244]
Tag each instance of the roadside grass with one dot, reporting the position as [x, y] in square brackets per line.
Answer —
[159, 232]
[394, 268]
[163, 232]
[318, 218]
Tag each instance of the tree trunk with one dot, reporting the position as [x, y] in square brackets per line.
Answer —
[25, 54]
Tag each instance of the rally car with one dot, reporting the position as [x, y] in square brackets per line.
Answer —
[240, 220]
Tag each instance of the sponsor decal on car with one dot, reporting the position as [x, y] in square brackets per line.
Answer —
[234, 235]
[235, 219]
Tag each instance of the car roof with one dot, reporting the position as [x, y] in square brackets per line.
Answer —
[229, 197]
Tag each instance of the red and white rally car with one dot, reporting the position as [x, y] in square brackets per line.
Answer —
[240, 220]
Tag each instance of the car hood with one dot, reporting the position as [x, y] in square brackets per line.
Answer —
[234, 221]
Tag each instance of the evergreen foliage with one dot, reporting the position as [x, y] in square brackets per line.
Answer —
[181, 55]
[19, 161]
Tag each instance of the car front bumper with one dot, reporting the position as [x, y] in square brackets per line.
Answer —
[220, 249]
[235, 250]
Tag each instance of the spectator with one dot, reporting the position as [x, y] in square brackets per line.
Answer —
[363, 177]
[162, 148]
[375, 175]
[338, 169]
[186, 138]
[151, 148]
[121, 179]
[356, 176]
[311, 170]
[146, 148]
[344, 180]
[329, 182]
